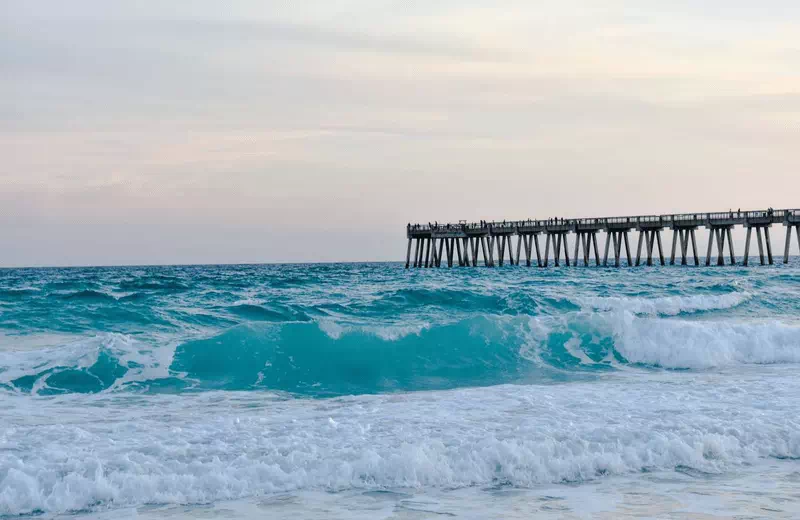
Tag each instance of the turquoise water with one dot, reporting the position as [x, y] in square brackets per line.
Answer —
[139, 390]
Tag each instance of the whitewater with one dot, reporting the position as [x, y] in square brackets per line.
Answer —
[371, 391]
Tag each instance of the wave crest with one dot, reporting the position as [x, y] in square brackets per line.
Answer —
[665, 305]
[326, 358]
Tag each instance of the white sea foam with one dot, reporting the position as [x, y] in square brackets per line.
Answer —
[666, 342]
[78, 353]
[704, 344]
[664, 305]
[146, 362]
[335, 330]
[642, 337]
[209, 447]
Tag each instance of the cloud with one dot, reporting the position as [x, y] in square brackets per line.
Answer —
[331, 39]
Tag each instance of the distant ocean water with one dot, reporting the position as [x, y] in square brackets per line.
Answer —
[371, 391]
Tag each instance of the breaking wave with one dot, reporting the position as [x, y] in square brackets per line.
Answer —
[666, 305]
[325, 358]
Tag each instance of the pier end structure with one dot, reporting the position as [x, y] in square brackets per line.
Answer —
[493, 243]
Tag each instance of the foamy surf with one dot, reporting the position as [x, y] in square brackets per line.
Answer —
[159, 451]
[664, 305]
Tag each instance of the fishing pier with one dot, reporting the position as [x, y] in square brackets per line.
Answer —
[464, 244]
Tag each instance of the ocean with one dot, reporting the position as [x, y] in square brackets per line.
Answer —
[372, 391]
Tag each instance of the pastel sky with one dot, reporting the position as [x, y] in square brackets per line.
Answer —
[273, 131]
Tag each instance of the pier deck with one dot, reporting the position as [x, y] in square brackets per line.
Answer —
[464, 243]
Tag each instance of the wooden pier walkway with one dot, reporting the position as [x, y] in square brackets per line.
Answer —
[464, 243]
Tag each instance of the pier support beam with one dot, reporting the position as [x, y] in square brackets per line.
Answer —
[557, 249]
[596, 252]
[584, 240]
[694, 248]
[408, 251]
[721, 247]
[639, 246]
[769, 244]
[789, 228]
[797, 230]
[501, 249]
[428, 253]
[651, 242]
[449, 245]
[618, 237]
[785, 251]
[504, 243]
[720, 233]
[487, 262]
[547, 250]
[747, 246]
[562, 237]
[674, 244]
[559, 240]
[649, 237]
[710, 244]
[627, 248]
[760, 246]
[526, 240]
[684, 245]
[730, 246]
[577, 244]
[684, 235]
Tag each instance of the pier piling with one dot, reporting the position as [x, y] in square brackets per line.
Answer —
[791, 224]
